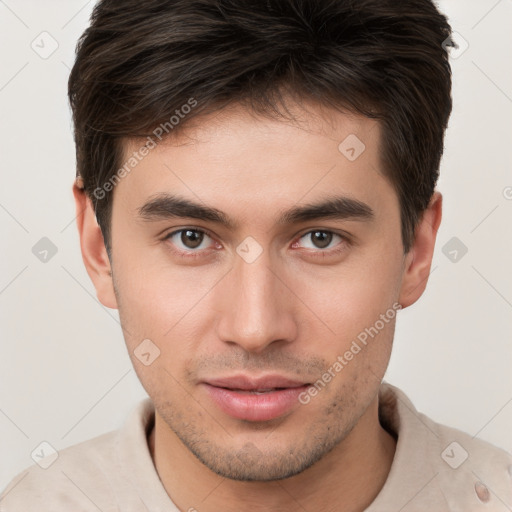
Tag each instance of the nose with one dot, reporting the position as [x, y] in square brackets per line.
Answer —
[256, 307]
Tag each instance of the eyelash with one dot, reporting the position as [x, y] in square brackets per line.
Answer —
[339, 248]
[327, 253]
[189, 253]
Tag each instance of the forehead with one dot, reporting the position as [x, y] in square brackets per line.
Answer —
[235, 158]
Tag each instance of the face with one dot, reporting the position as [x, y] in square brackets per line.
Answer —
[268, 287]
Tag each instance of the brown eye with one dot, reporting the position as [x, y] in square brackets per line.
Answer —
[189, 239]
[321, 239]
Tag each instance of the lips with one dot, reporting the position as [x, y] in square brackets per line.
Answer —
[246, 383]
[255, 399]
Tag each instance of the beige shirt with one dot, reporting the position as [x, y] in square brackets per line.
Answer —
[435, 469]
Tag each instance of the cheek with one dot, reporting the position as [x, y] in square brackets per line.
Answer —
[355, 298]
[159, 300]
[358, 304]
[158, 303]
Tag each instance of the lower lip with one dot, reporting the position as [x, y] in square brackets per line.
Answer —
[251, 407]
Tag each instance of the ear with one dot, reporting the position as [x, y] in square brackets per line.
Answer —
[419, 258]
[94, 252]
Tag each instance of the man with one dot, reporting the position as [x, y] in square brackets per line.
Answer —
[256, 196]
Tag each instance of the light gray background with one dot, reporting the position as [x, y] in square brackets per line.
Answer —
[65, 375]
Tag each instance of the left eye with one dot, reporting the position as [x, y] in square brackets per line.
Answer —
[189, 239]
[319, 239]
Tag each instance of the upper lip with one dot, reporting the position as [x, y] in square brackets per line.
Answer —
[245, 382]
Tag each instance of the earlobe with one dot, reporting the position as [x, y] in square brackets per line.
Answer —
[419, 259]
[94, 252]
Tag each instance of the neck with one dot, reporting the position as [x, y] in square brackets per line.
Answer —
[348, 478]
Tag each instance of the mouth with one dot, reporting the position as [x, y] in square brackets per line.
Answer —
[255, 399]
[256, 391]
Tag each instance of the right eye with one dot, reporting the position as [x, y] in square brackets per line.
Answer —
[189, 240]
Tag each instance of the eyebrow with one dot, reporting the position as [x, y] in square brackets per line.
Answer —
[167, 206]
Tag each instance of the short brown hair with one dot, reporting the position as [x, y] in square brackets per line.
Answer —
[140, 62]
